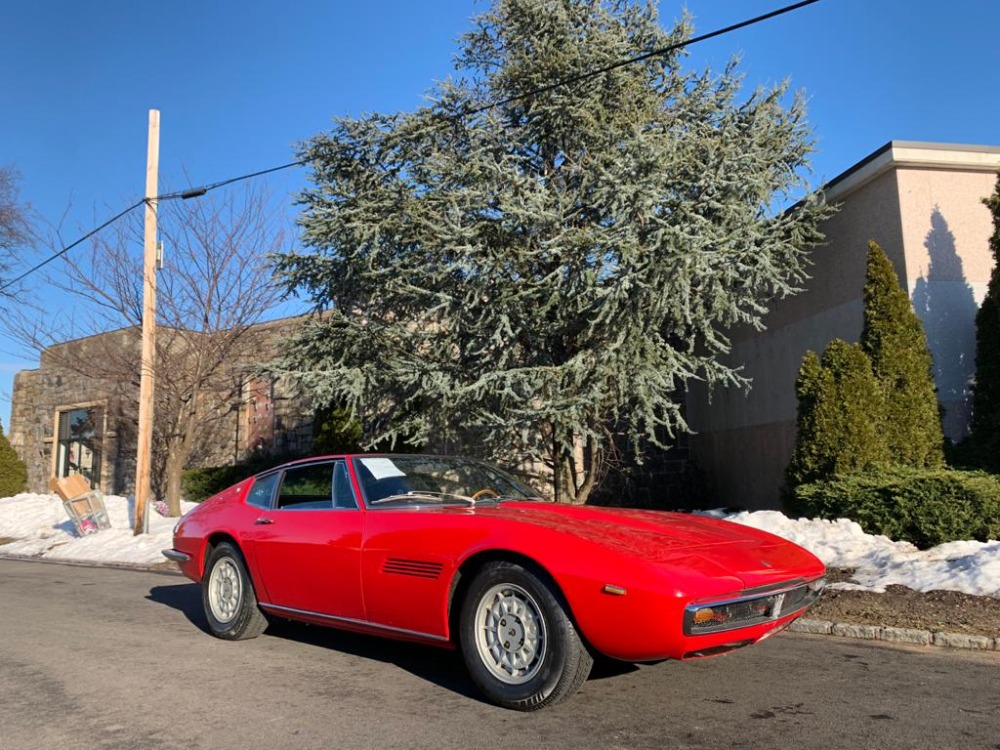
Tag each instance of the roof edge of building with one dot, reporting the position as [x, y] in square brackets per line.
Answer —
[912, 154]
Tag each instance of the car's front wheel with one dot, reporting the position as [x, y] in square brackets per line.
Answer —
[519, 643]
[228, 596]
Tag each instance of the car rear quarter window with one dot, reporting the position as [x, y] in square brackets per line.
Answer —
[262, 491]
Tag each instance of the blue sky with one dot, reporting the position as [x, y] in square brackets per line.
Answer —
[238, 84]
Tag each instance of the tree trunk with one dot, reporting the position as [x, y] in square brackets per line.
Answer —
[573, 483]
[566, 473]
[179, 451]
[175, 473]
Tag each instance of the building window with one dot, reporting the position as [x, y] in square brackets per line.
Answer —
[78, 446]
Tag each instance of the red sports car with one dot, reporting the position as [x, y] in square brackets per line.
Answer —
[455, 552]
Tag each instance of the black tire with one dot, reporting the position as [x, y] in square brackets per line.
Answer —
[228, 597]
[542, 671]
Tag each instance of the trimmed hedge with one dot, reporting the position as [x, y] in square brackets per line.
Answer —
[198, 484]
[924, 506]
[894, 340]
[841, 424]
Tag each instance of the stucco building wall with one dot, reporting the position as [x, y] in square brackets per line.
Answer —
[948, 267]
[922, 204]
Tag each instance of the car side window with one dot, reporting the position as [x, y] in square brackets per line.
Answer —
[307, 487]
[343, 490]
[262, 491]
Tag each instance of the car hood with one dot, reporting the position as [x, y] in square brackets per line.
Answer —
[713, 546]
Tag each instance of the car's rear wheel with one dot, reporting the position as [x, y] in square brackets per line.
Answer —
[519, 643]
[228, 596]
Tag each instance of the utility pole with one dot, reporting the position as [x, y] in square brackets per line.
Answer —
[144, 449]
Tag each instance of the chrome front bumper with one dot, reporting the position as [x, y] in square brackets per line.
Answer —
[751, 607]
[176, 555]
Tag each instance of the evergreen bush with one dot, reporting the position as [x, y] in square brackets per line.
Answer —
[871, 404]
[985, 440]
[924, 506]
[894, 340]
[841, 418]
[334, 431]
[13, 472]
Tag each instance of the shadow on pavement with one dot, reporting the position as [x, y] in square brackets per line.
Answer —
[605, 668]
[185, 597]
[442, 667]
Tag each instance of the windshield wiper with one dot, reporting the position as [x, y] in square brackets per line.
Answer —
[437, 497]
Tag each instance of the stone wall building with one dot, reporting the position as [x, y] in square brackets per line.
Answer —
[922, 203]
[76, 413]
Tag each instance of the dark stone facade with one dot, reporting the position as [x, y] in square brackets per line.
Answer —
[259, 415]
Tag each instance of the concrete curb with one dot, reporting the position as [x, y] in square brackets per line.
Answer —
[144, 567]
[909, 636]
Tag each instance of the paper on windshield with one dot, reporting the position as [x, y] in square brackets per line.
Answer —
[382, 468]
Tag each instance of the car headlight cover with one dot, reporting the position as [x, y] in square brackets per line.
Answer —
[753, 608]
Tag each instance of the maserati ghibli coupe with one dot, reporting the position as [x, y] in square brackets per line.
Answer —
[458, 553]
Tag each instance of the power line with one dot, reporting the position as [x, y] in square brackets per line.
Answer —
[638, 58]
[586, 75]
[69, 247]
[199, 191]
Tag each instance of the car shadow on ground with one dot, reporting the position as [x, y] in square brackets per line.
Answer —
[441, 667]
[438, 666]
[185, 597]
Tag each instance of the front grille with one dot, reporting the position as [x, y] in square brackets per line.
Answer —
[798, 598]
[748, 610]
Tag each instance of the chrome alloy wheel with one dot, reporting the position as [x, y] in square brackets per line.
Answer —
[510, 633]
[225, 590]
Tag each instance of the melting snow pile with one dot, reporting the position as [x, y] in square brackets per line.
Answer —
[41, 528]
[969, 567]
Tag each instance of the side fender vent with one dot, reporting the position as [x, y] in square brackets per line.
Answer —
[416, 568]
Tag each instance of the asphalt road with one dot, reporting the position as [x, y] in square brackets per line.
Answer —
[100, 658]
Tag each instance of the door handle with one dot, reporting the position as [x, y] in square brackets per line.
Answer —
[262, 521]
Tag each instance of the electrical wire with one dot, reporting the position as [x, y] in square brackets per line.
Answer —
[69, 247]
[199, 191]
[638, 58]
[586, 75]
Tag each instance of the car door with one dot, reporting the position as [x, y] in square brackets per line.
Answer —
[307, 545]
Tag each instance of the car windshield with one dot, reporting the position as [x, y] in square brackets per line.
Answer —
[400, 480]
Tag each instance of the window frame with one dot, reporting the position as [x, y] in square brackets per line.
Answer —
[334, 464]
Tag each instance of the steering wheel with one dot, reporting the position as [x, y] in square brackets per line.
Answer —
[485, 491]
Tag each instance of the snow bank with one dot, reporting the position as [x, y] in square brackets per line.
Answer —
[41, 528]
[969, 567]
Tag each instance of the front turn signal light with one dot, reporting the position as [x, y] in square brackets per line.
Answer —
[703, 615]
